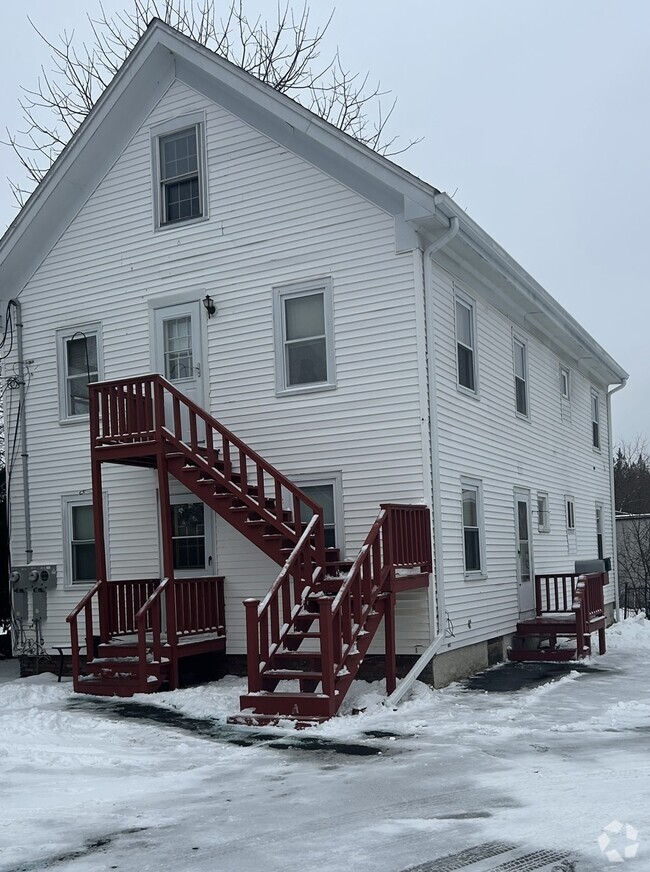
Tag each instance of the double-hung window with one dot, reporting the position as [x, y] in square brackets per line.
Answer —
[188, 536]
[325, 491]
[472, 527]
[543, 520]
[595, 420]
[79, 363]
[178, 158]
[465, 344]
[570, 513]
[79, 539]
[304, 337]
[520, 353]
[565, 383]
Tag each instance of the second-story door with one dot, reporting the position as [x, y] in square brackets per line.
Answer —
[178, 353]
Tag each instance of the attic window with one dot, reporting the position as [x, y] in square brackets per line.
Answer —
[181, 184]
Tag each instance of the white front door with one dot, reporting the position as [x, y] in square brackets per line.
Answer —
[523, 545]
[178, 353]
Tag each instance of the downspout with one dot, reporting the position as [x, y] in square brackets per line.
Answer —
[427, 655]
[23, 429]
[617, 610]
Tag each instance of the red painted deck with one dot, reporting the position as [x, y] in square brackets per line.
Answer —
[316, 623]
[567, 606]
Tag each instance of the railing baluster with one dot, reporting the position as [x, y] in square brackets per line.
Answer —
[243, 472]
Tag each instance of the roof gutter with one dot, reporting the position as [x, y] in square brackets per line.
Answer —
[437, 599]
[610, 394]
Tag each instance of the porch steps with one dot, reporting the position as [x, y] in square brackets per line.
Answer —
[314, 627]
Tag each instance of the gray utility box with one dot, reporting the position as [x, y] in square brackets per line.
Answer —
[38, 579]
[33, 577]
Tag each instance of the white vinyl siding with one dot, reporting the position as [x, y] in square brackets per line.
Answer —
[79, 363]
[304, 337]
[552, 454]
[275, 222]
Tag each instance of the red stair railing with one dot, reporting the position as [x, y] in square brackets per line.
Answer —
[150, 409]
[85, 605]
[149, 620]
[268, 622]
[555, 592]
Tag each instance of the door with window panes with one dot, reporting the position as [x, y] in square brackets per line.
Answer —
[178, 354]
[523, 541]
[192, 529]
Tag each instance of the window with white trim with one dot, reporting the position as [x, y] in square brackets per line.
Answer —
[472, 527]
[520, 354]
[188, 535]
[565, 383]
[543, 520]
[595, 420]
[326, 491]
[79, 354]
[465, 344]
[304, 337]
[570, 513]
[599, 531]
[79, 540]
[179, 171]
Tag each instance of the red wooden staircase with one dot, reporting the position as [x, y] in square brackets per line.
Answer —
[567, 606]
[317, 621]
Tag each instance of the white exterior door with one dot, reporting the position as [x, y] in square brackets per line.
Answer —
[524, 555]
[178, 353]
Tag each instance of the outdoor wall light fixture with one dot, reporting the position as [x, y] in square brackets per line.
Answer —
[208, 303]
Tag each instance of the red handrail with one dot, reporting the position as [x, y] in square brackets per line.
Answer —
[269, 621]
[149, 617]
[149, 408]
[555, 592]
[85, 605]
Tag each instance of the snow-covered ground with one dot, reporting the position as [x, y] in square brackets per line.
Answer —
[95, 784]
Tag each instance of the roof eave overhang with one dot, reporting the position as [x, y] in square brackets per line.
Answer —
[476, 258]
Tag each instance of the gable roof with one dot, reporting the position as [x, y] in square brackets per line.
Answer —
[420, 211]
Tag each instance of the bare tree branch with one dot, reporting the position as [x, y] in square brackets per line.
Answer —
[285, 54]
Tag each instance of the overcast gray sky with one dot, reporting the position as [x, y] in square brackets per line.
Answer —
[534, 116]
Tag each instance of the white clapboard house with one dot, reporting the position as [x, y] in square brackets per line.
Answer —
[315, 385]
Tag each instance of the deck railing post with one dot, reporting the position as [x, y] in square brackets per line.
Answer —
[252, 646]
[327, 651]
[389, 635]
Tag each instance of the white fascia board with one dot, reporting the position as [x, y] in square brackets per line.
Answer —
[286, 121]
[83, 163]
[541, 311]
